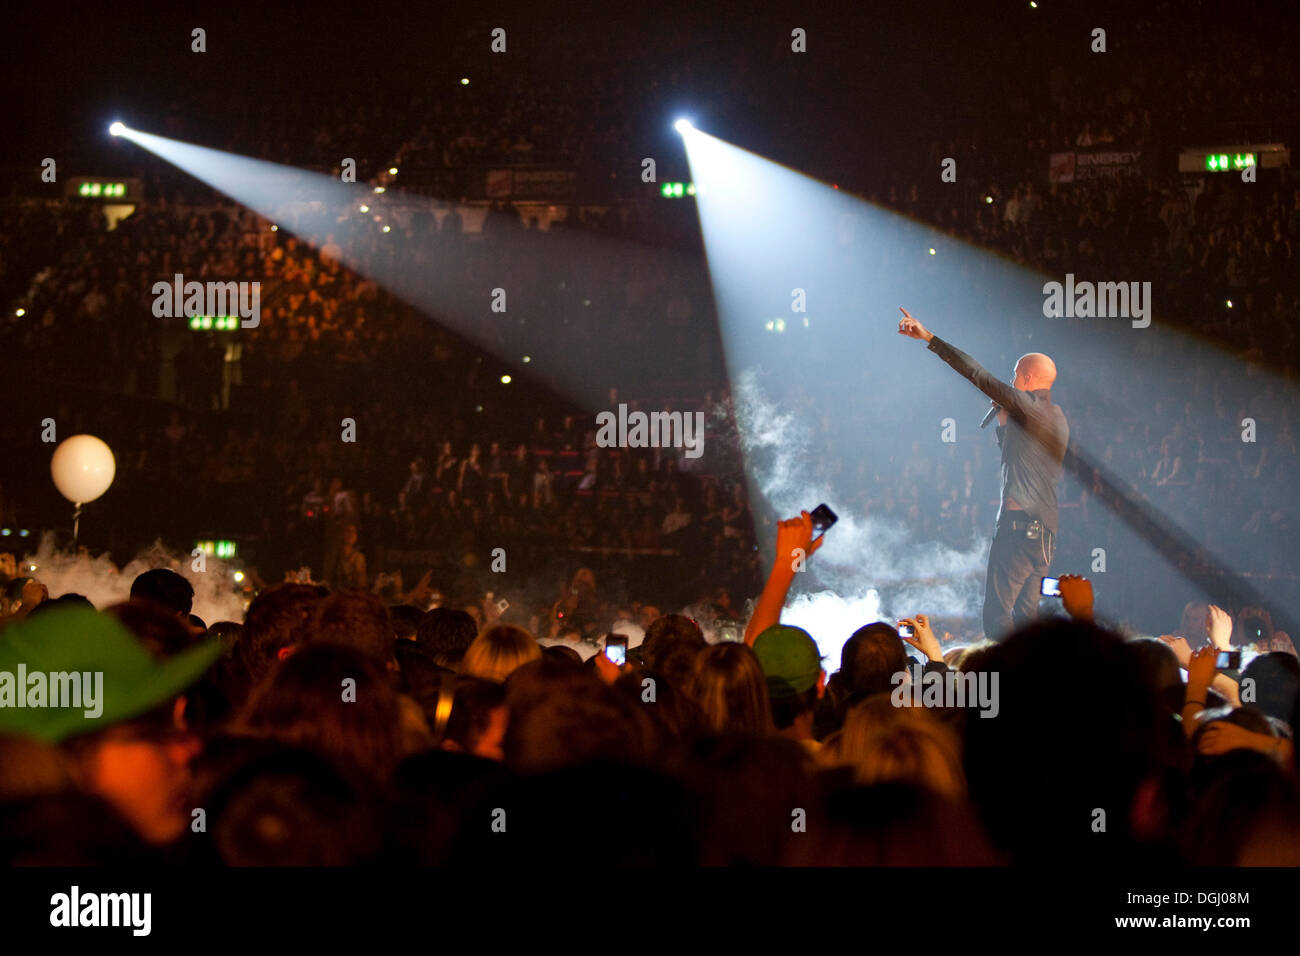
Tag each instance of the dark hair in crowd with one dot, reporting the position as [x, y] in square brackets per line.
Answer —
[277, 619]
[355, 619]
[165, 587]
[670, 647]
[334, 699]
[869, 660]
[445, 629]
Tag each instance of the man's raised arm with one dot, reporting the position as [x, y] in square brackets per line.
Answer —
[999, 391]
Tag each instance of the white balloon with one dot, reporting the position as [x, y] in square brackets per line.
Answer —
[82, 467]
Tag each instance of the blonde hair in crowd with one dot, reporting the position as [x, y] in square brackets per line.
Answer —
[728, 685]
[496, 652]
[882, 743]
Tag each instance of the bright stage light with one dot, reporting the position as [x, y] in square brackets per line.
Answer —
[683, 126]
[505, 379]
[392, 170]
[117, 129]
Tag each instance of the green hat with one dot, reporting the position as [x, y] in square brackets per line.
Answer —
[76, 671]
[790, 660]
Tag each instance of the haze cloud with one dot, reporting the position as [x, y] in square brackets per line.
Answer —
[216, 595]
[869, 569]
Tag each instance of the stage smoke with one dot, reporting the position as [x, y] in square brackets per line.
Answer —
[216, 595]
[869, 569]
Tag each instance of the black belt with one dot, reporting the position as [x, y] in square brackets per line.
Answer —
[1022, 520]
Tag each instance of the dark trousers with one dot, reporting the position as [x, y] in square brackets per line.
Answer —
[1016, 563]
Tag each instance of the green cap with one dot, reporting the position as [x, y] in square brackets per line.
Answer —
[790, 660]
[76, 671]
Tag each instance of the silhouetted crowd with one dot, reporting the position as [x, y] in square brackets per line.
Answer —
[326, 728]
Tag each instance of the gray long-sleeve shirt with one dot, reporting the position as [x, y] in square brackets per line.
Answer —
[1033, 441]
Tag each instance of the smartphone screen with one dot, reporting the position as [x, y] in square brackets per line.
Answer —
[1051, 587]
[1228, 660]
[616, 649]
[823, 518]
[906, 630]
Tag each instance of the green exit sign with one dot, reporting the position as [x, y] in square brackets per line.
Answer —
[676, 190]
[126, 190]
[102, 190]
[219, 549]
[207, 323]
[1226, 162]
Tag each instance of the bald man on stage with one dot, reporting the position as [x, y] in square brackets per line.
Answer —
[1033, 435]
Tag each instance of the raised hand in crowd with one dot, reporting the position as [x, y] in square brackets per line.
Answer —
[923, 638]
[795, 543]
[1076, 596]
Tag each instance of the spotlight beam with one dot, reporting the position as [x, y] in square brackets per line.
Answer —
[566, 349]
[779, 243]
